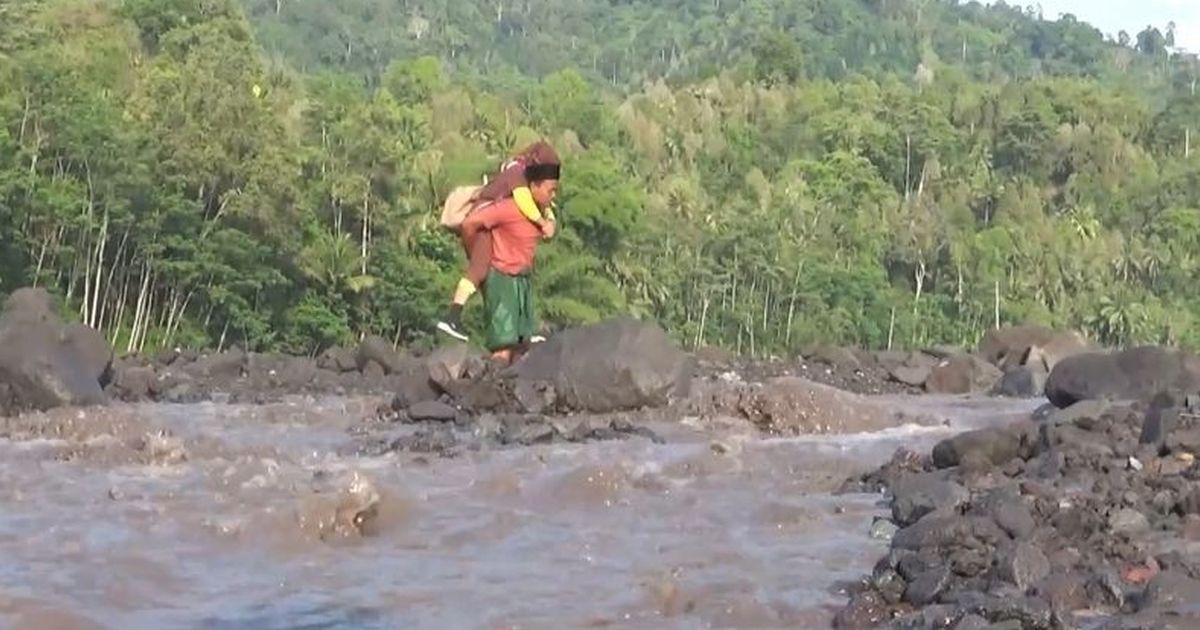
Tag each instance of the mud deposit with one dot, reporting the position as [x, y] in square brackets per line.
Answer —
[228, 516]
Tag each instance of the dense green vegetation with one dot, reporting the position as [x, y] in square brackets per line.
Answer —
[625, 42]
[760, 174]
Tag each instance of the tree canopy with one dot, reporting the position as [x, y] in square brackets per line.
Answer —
[760, 175]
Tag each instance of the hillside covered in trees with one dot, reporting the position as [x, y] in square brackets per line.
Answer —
[760, 175]
[626, 42]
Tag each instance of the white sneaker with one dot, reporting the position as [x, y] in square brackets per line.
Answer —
[536, 339]
[449, 329]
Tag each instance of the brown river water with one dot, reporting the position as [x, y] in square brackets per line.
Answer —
[220, 516]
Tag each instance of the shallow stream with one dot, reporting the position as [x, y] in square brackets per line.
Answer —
[218, 516]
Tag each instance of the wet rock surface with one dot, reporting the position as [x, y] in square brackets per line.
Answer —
[1081, 517]
[338, 506]
[618, 365]
[45, 363]
[444, 439]
[1133, 374]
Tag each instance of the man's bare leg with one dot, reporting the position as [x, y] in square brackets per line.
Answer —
[503, 356]
[511, 354]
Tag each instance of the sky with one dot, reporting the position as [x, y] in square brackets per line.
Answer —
[1111, 16]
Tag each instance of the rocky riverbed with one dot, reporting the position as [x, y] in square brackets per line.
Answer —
[610, 479]
[1082, 517]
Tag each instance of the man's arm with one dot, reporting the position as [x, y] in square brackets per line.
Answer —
[485, 218]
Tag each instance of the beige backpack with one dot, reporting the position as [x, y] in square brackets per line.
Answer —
[458, 205]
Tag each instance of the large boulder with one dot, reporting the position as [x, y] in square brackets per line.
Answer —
[833, 356]
[1023, 565]
[432, 411]
[620, 364]
[1021, 382]
[962, 374]
[92, 349]
[949, 530]
[1000, 343]
[911, 375]
[915, 496]
[45, 364]
[1133, 374]
[992, 446]
[377, 350]
[913, 369]
[410, 381]
[1171, 424]
[1045, 357]
[448, 364]
[220, 367]
[281, 373]
[134, 383]
[1015, 346]
[340, 360]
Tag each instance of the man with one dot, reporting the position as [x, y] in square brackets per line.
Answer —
[509, 182]
[507, 290]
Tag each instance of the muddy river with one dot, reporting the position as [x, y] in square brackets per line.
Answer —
[218, 516]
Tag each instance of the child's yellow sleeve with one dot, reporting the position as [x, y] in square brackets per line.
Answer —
[525, 203]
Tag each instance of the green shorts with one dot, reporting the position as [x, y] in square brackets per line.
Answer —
[508, 301]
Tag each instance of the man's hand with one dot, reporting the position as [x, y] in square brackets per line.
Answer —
[548, 229]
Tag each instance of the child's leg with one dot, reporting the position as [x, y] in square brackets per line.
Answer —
[479, 260]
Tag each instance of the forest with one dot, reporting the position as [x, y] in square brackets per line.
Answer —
[758, 175]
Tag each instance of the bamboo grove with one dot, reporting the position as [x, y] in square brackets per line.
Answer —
[859, 172]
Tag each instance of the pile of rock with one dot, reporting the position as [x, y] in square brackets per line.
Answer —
[617, 365]
[789, 406]
[571, 388]
[942, 371]
[447, 438]
[574, 387]
[1092, 514]
[1013, 361]
[174, 376]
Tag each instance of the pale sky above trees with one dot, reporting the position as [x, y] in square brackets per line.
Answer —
[1112, 16]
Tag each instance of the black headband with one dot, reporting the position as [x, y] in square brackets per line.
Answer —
[541, 172]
